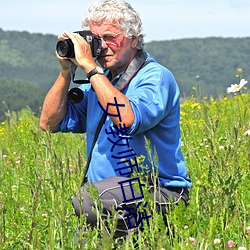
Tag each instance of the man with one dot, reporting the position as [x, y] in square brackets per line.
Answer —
[140, 100]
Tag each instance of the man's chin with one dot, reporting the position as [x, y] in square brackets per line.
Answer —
[105, 63]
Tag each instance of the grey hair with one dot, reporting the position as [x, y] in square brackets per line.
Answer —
[120, 13]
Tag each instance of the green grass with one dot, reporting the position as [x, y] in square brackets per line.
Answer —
[40, 172]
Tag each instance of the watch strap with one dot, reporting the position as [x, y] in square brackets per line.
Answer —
[93, 72]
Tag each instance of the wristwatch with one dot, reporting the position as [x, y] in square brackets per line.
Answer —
[96, 70]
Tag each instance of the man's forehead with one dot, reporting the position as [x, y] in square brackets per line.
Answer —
[104, 25]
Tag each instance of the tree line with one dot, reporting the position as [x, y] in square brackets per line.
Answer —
[202, 67]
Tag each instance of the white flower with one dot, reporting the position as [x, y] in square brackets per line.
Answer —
[192, 240]
[242, 248]
[246, 133]
[22, 210]
[217, 241]
[237, 87]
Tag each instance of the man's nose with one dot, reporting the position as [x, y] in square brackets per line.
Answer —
[104, 44]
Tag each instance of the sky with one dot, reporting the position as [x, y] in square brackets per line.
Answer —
[162, 19]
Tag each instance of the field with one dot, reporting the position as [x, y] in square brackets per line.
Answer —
[40, 172]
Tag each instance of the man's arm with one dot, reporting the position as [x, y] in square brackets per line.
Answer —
[55, 103]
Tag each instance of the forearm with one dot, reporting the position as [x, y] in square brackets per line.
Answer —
[55, 103]
[106, 93]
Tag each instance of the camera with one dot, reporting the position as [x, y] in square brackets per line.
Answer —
[65, 48]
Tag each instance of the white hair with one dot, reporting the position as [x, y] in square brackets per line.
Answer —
[120, 13]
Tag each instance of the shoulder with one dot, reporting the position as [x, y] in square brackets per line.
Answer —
[153, 70]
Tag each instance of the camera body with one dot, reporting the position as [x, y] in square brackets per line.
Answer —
[65, 48]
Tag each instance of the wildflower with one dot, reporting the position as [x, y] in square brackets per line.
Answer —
[192, 240]
[240, 69]
[242, 248]
[14, 188]
[248, 230]
[195, 106]
[216, 241]
[247, 133]
[237, 87]
[221, 147]
[230, 244]
[45, 216]
[198, 182]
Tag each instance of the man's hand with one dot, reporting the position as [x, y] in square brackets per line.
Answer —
[66, 63]
[83, 54]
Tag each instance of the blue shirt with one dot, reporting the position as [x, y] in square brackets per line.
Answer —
[154, 97]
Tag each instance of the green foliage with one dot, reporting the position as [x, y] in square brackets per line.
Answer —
[37, 181]
[28, 68]
[208, 62]
[28, 58]
[14, 95]
[40, 172]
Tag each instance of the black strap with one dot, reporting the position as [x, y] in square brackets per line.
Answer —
[136, 64]
[97, 132]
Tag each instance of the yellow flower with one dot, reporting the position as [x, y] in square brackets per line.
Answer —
[240, 70]
[195, 105]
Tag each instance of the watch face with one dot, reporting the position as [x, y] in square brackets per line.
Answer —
[99, 70]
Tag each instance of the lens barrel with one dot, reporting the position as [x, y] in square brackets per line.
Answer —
[65, 48]
[75, 95]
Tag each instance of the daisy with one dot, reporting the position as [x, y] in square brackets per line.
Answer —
[237, 87]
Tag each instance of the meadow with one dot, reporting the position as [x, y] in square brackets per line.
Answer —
[40, 172]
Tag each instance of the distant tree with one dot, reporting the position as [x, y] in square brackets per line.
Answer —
[17, 95]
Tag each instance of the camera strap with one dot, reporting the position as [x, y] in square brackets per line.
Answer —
[136, 64]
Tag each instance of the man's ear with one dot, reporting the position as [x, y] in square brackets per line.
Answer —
[134, 42]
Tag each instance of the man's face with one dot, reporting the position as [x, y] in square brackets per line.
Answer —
[118, 50]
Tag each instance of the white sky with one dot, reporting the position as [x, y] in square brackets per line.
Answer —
[162, 19]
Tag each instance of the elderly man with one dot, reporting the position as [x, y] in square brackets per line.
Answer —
[140, 101]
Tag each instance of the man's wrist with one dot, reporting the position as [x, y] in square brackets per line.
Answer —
[65, 73]
[96, 70]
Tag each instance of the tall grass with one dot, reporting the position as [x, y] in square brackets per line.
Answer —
[40, 172]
